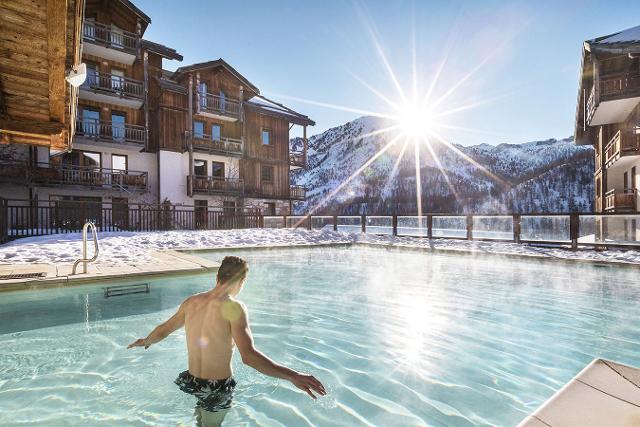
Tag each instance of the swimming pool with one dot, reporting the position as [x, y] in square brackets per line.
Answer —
[399, 338]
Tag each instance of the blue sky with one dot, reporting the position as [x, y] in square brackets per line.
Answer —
[526, 56]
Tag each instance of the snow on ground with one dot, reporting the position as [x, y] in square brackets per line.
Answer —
[128, 248]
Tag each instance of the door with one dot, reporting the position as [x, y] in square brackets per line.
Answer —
[117, 80]
[90, 124]
[117, 126]
[203, 94]
[92, 75]
[215, 132]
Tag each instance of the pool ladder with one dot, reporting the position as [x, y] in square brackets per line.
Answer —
[84, 260]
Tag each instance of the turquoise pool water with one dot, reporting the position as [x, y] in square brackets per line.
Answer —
[398, 338]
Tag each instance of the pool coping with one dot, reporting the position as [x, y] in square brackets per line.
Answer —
[190, 263]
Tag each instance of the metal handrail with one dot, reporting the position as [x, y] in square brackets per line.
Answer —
[117, 132]
[121, 39]
[211, 102]
[84, 260]
[120, 85]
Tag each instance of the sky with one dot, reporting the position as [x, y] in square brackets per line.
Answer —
[507, 71]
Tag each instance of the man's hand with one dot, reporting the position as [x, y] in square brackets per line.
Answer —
[308, 383]
[140, 342]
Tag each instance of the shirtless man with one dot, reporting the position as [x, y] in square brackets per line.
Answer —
[213, 321]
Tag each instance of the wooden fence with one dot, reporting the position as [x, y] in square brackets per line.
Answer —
[26, 219]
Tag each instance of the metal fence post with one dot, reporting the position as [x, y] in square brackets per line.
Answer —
[394, 224]
[309, 222]
[335, 223]
[363, 223]
[430, 226]
[516, 228]
[469, 227]
[574, 230]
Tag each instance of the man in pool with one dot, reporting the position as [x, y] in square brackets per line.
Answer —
[213, 321]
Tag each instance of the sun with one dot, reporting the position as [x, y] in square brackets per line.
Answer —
[415, 121]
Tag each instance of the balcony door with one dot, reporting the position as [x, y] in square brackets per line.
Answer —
[118, 121]
[117, 80]
[92, 75]
[216, 132]
[90, 123]
[203, 94]
[117, 36]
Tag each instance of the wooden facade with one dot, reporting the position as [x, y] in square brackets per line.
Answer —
[608, 117]
[40, 44]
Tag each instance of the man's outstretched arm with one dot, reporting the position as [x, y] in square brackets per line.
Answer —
[162, 331]
[261, 363]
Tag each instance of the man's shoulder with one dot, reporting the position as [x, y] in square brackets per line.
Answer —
[233, 309]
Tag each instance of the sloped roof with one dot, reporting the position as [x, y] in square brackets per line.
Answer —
[161, 50]
[623, 41]
[267, 106]
[219, 63]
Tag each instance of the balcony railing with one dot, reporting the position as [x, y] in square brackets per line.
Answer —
[93, 32]
[46, 174]
[624, 142]
[111, 132]
[620, 201]
[114, 85]
[216, 185]
[611, 87]
[209, 103]
[297, 192]
[298, 159]
[225, 145]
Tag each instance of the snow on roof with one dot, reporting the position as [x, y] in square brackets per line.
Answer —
[630, 35]
[274, 107]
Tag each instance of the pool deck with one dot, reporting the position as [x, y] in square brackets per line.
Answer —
[166, 261]
[605, 393]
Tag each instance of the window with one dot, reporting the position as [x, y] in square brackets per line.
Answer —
[217, 169]
[117, 125]
[202, 89]
[269, 208]
[266, 137]
[79, 158]
[267, 173]
[90, 122]
[117, 36]
[92, 74]
[200, 168]
[626, 180]
[215, 132]
[198, 129]
[117, 79]
[119, 162]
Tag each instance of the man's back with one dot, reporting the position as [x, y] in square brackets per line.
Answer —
[209, 340]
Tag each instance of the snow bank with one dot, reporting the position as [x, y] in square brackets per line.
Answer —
[125, 248]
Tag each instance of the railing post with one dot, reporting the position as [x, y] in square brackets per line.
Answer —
[574, 232]
[284, 221]
[309, 222]
[363, 223]
[516, 228]
[469, 227]
[335, 223]
[430, 226]
[394, 224]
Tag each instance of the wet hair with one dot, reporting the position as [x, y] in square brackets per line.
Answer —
[232, 268]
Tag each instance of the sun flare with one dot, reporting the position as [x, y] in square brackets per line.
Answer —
[416, 122]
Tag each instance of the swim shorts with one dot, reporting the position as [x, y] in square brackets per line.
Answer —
[212, 395]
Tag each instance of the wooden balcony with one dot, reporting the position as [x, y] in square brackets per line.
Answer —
[623, 143]
[45, 174]
[214, 185]
[297, 192]
[217, 107]
[612, 99]
[113, 89]
[225, 146]
[109, 43]
[297, 160]
[111, 133]
[620, 201]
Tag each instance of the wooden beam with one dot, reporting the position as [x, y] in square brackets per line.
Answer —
[31, 128]
[56, 55]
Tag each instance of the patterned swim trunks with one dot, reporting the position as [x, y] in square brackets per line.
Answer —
[212, 395]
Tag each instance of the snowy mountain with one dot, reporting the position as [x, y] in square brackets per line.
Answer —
[541, 176]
